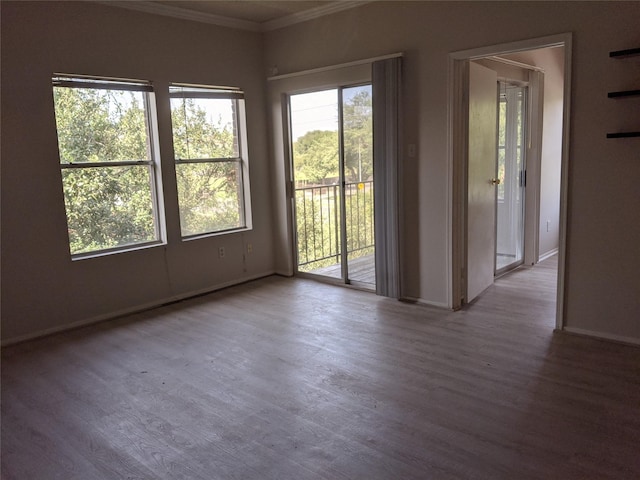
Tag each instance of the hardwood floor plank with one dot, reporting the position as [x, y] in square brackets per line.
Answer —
[291, 378]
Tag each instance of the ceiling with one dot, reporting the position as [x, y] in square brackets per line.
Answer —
[253, 11]
[261, 15]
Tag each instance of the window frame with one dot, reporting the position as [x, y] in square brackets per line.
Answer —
[61, 80]
[236, 95]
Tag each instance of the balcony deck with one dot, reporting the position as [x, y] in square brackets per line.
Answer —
[361, 269]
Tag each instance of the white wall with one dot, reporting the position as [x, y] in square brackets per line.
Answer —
[552, 61]
[602, 287]
[42, 289]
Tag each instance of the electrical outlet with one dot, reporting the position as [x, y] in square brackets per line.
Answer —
[411, 150]
[221, 252]
[249, 248]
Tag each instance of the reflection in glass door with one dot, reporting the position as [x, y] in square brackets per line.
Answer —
[511, 174]
[332, 169]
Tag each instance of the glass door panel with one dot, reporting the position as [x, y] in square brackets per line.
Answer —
[316, 172]
[357, 120]
[511, 173]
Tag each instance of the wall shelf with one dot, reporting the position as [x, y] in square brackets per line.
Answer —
[630, 52]
[624, 93]
[623, 135]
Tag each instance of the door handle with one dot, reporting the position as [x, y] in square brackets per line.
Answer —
[494, 181]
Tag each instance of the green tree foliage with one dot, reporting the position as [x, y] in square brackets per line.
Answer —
[358, 137]
[316, 154]
[196, 134]
[316, 157]
[106, 206]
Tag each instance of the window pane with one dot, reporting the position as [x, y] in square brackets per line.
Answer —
[314, 130]
[204, 128]
[207, 123]
[210, 197]
[358, 133]
[96, 125]
[108, 207]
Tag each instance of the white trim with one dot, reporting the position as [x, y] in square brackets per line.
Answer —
[533, 164]
[222, 21]
[457, 120]
[284, 274]
[310, 14]
[601, 335]
[425, 303]
[549, 254]
[335, 67]
[513, 63]
[512, 82]
[550, 41]
[184, 14]
[564, 178]
[132, 310]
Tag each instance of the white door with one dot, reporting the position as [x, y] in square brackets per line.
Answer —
[481, 193]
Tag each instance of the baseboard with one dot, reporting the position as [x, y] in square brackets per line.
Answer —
[131, 310]
[423, 302]
[548, 254]
[283, 273]
[602, 336]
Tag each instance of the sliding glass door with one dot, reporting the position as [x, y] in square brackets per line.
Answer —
[332, 169]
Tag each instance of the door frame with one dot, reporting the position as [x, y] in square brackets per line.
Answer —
[458, 70]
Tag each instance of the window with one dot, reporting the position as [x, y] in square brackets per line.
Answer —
[211, 159]
[109, 173]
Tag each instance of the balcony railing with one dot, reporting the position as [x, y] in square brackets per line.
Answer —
[318, 223]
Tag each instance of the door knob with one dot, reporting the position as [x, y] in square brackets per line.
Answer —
[495, 181]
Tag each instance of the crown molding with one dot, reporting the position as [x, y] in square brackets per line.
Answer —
[222, 21]
[310, 14]
[184, 14]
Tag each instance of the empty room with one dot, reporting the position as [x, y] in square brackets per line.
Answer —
[332, 240]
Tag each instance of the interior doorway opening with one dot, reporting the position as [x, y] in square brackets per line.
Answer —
[474, 234]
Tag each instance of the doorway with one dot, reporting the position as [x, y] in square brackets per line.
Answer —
[467, 183]
[331, 135]
[496, 168]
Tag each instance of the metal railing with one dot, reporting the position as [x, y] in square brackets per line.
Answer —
[318, 222]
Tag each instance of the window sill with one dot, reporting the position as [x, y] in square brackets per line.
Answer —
[117, 250]
[215, 234]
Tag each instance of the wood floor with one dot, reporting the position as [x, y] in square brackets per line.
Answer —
[294, 379]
